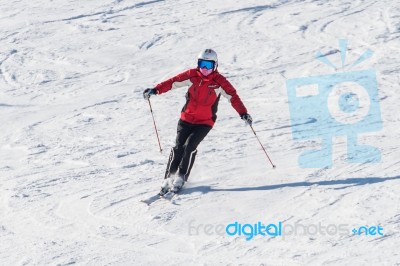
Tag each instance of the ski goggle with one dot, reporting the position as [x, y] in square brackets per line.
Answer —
[205, 64]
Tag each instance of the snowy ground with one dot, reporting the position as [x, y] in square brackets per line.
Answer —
[78, 150]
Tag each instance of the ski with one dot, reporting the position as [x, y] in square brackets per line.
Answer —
[169, 196]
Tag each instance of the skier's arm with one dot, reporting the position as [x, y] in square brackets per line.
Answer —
[229, 92]
[180, 80]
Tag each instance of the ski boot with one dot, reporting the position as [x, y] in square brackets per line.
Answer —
[166, 186]
[177, 184]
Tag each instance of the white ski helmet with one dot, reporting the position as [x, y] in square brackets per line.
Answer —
[210, 55]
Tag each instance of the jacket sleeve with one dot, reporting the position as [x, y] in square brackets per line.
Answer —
[180, 80]
[230, 93]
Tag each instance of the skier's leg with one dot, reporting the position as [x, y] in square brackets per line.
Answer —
[175, 157]
[190, 151]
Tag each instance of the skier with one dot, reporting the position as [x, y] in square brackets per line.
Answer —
[198, 115]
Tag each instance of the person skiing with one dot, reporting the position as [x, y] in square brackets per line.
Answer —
[198, 115]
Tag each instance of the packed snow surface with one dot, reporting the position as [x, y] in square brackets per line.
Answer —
[78, 149]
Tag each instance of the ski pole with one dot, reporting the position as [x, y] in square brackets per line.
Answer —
[155, 127]
[273, 165]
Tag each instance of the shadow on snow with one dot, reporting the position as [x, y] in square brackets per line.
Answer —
[349, 182]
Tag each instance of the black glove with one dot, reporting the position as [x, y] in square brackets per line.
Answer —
[247, 118]
[148, 92]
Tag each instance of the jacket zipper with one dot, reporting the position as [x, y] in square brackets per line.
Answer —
[196, 91]
[208, 95]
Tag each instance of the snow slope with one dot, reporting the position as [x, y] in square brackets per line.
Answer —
[78, 149]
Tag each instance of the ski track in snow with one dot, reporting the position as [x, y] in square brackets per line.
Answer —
[78, 148]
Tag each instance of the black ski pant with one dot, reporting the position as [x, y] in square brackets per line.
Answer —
[182, 156]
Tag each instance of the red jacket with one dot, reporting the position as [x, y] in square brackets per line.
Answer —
[203, 95]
